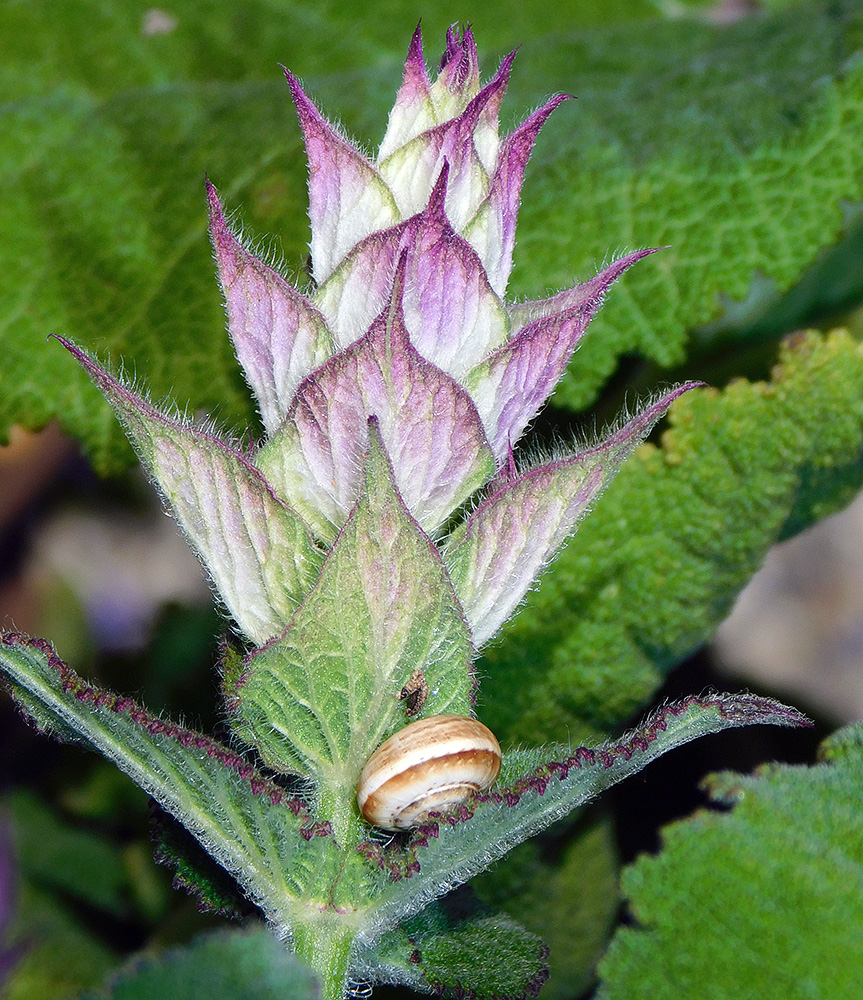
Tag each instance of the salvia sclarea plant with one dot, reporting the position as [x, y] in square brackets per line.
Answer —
[369, 545]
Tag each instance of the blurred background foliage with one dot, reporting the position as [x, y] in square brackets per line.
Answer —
[729, 132]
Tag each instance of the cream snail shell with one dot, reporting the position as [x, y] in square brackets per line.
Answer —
[431, 764]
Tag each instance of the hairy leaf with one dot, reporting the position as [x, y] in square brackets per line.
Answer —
[656, 567]
[323, 696]
[194, 870]
[457, 946]
[537, 787]
[255, 829]
[258, 551]
[495, 556]
[762, 900]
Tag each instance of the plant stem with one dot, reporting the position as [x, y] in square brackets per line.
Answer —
[325, 944]
[339, 805]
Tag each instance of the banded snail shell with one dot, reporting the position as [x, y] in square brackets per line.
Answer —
[431, 764]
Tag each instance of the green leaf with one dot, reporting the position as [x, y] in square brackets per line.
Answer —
[655, 569]
[66, 859]
[455, 947]
[736, 146]
[326, 694]
[563, 887]
[194, 870]
[762, 900]
[684, 133]
[243, 965]
[250, 826]
[535, 788]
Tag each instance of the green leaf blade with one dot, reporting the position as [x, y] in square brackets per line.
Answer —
[457, 946]
[534, 790]
[761, 900]
[655, 569]
[676, 145]
[249, 825]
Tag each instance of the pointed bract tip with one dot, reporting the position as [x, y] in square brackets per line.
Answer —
[511, 472]
[456, 39]
[459, 62]
[437, 198]
[72, 348]
[496, 87]
[217, 214]
[98, 374]
[377, 455]
[556, 100]
[520, 141]
[306, 108]
[415, 49]
[505, 68]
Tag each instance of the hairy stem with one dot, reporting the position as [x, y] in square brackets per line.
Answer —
[325, 943]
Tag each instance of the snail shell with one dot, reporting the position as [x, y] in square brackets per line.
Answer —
[431, 764]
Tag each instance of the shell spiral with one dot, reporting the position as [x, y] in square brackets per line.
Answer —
[429, 765]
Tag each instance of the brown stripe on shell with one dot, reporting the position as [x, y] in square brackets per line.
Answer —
[440, 783]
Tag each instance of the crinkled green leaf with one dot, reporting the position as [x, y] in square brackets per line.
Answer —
[563, 887]
[251, 826]
[243, 965]
[737, 145]
[535, 788]
[322, 697]
[759, 901]
[655, 569]
[457, 946]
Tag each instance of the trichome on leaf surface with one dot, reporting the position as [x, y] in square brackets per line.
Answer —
[374, 539]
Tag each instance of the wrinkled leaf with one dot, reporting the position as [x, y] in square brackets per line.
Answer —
[762, 900]
[458, 946]
[654, 570]
[674, 142]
